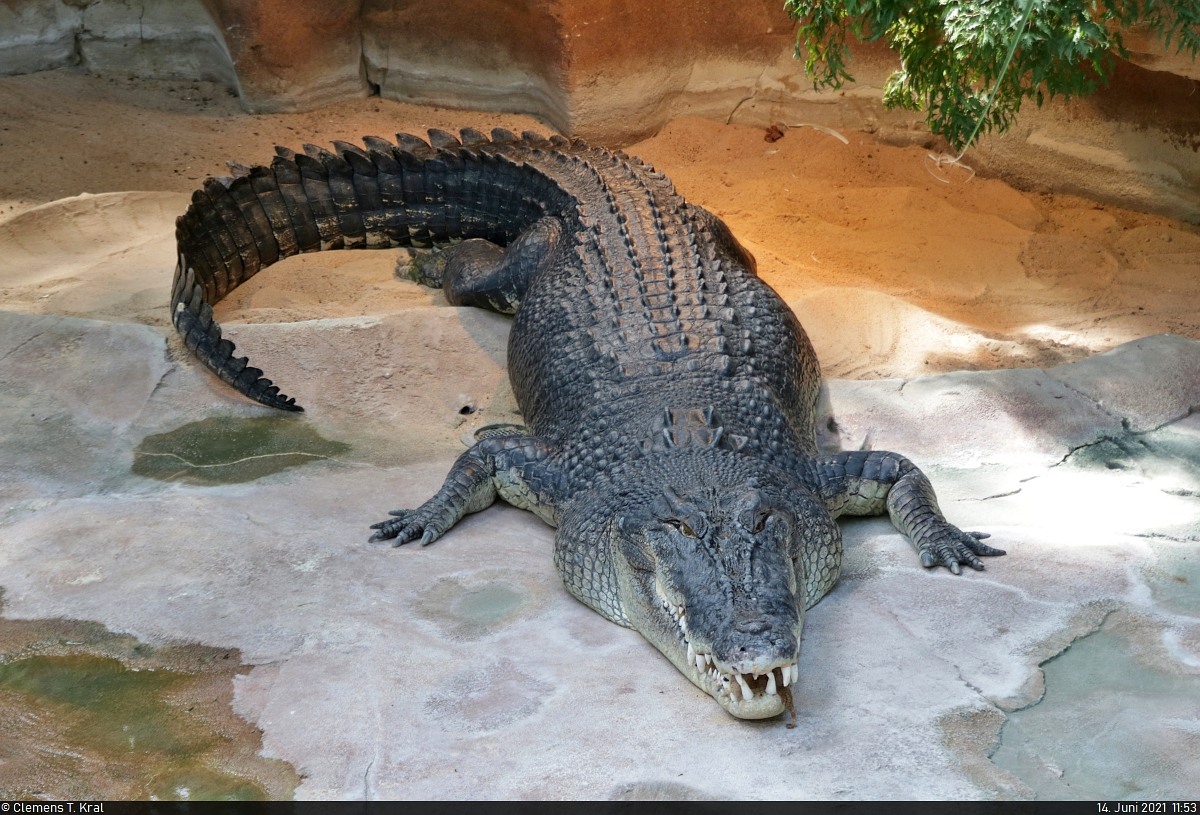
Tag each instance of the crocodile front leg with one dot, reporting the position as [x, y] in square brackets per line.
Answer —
[519, 469]
[871, 482]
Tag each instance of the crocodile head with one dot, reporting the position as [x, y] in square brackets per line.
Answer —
[714, 577]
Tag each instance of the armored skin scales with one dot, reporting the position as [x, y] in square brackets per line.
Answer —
[669, 394]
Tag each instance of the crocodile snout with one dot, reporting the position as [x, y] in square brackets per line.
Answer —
[757, 650]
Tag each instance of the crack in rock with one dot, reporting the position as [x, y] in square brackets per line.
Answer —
[1000, 494]
[1161, 536]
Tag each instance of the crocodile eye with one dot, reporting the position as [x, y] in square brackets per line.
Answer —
[683, 528]
[759, 524]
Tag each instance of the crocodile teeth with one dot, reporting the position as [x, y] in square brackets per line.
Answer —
[771, 683]
[746, 692]
[691, 653]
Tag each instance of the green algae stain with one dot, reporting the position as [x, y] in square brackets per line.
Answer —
[194, 783]
[113, 708]
[89, 714]
[468, 607]
[231, 450]
[102, 713]
[489, 605]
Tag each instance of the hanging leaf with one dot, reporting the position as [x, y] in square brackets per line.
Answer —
[952, 52]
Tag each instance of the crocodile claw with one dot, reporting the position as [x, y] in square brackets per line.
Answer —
[400, 530]
[951, 547]
[405, 527]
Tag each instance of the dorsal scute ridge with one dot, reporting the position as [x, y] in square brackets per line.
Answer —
[471, 137]
[307, 163]
[412, 144]
[334, 162]
[385, 160]
[360, 162]
[534, 139]
[350, 195]
[377, 144]
[440, 138]
[344, 147]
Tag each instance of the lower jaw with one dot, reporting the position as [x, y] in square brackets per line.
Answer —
[762, 706]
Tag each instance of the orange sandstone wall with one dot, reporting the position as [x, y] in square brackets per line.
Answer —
[612, 71]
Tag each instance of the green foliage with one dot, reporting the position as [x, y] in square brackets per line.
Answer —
[952, 52]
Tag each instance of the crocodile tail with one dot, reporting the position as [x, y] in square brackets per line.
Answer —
[412, 193]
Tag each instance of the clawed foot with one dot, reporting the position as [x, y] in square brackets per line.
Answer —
[950, 547]
[409, 524]
[426, 268]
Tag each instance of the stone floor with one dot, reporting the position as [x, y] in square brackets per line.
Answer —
[140, 496]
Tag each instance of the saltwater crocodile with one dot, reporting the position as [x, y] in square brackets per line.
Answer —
[669, 394]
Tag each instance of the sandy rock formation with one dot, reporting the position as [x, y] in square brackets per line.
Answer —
[609, 71]
[153, 39]
[293, 55]
[612, 72]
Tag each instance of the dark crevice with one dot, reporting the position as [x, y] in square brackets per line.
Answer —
[1073, 450]
[22, 345]
[1161, 536]
[367, 776]
[1077, 392]
[1000, 495]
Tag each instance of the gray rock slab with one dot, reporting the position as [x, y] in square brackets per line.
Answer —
[968, 419]
[465, 670]
[69, 389]
[409, 375]
[1148, 382]
[154, 40]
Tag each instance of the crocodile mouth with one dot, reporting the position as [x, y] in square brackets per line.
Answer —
[745, 695]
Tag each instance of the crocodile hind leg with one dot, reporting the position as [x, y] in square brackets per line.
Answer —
[517, 468]
[874, 482]
[479, 273]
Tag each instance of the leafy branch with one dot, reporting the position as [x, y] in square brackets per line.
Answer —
[952, 52]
